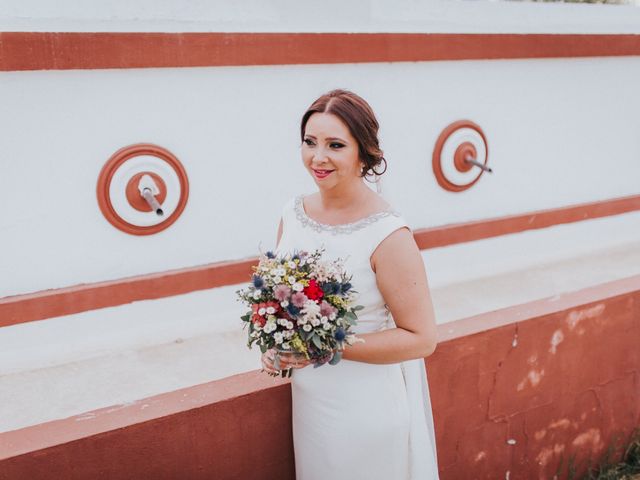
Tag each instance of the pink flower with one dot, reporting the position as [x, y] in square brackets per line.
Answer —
[298, 299]
[327, 309]
[281, 292]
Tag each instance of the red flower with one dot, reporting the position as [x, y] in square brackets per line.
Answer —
[262, 319]
[258, 320]
[313, 291]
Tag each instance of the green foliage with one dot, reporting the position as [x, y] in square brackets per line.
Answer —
[625, 468]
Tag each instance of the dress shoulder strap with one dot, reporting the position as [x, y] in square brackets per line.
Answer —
[381, 229]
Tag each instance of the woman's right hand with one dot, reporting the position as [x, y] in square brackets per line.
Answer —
[287, 360]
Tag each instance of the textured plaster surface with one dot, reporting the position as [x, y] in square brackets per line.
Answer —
[519, 400]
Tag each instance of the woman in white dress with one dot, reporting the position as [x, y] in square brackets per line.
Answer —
[369, 416]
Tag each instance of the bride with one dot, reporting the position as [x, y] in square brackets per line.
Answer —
[369, 416]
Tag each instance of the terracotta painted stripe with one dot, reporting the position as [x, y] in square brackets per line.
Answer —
[467, 232]
[66, 301]
[96, 422]
[81, 298]
[96, 50]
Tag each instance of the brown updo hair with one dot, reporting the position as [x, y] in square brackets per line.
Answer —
[356, 113]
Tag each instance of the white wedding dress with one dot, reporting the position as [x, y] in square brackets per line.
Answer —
[357, 420]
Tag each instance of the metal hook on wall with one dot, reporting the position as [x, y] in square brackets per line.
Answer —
[148, 190]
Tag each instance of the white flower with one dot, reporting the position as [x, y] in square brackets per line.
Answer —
[270, 326]
[286, 345]
[289, 333]
[277, 279]
[284, 303]
[310, 309]
[291, 279]
[323, 320]
[326, 326]
[289, 325]
[302, 321]
[279, 271]
[298, 287]
[302, 262]
[278, 337]
[257, 294]
[315, 322]
[282, 321]
[307, 327]
[262, 311]
[332, 316]
[292, 265]
[271, 310]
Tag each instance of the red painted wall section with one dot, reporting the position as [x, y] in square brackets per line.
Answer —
[246, 437]
[521, 397]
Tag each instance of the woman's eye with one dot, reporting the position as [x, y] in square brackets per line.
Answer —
[337, 145]
[308, 141]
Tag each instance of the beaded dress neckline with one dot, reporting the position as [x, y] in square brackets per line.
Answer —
[307, 221]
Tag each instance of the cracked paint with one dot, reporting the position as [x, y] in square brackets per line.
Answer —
[480, 456]
[562, 423]
[556, 339]
[534, 377]
[591, 436]
[575, 316]
[547, 453]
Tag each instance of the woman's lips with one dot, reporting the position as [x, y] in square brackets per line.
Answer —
[321, 173]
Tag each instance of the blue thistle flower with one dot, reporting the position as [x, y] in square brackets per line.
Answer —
[270, 254]
[340, 334]
[332, 288]
[293, 310]
[258, 281]
[344, 288]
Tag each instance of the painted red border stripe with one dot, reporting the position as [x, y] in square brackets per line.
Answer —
[98, 50]
[80, 298]
[467, 232]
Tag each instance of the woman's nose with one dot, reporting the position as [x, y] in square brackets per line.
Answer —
[320, 156]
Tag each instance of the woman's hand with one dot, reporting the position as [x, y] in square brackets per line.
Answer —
[287, 360]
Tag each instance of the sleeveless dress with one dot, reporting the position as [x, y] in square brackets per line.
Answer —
[357, 420]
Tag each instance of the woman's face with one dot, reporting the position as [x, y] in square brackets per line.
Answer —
[330, 152]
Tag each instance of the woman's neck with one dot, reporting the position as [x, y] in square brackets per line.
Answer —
[344, 199]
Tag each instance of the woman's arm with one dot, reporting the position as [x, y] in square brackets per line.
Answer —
[402, 281]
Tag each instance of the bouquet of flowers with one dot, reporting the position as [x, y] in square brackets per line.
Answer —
[300, 304]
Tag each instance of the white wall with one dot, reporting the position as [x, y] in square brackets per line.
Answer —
[448, 16]
[560, 131]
